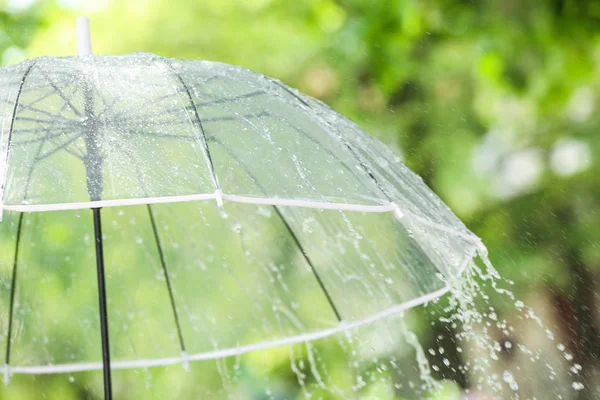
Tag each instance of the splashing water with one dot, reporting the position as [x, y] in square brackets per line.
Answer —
[386, 360]
[380, 372]
[483, 333]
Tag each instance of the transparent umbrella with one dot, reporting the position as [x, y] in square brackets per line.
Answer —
[237, 214]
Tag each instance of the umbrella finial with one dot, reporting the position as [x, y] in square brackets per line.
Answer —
[84, 42]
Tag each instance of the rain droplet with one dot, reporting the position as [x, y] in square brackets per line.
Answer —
[509, 378]
[519, 304]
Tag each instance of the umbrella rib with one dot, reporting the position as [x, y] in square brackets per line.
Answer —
[354, 154]
[31, 108]
[49, 114]
[255, 129]
[59, 147]
[145, 123]
[142, 121]
[233, 98]
[74, 153]
[11, 129]
[33, 165]
[12, 297]
[287, 89]
[156, 100]
[59, 132]
[423, 220]
[45, 96]
[61, 93]
[107, 107]
[290, 231]
[309, 262]
[7, 101]
[167, 278]
[199, 105]
[321, 146]
[41, 121]
[162, 259]
[369, 173]
[201, 128]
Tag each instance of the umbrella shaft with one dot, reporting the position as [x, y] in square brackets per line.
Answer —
[93, 157]
[102, 304]
[93, 168]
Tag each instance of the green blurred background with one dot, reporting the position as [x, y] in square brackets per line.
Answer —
[493, 103]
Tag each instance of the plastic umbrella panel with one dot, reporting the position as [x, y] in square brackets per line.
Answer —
[302, 224]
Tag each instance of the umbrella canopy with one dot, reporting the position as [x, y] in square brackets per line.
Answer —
[238, 214]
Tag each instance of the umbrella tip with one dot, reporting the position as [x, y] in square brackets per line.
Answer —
[84, 42]
[185, 358]
[219, 198]
[6, 373]
[398, 213]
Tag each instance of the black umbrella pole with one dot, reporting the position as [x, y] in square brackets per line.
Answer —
[102, 304]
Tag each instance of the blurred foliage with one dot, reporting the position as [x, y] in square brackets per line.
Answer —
[493, 103]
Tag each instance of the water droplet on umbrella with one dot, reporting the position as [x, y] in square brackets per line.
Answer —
[510, 380]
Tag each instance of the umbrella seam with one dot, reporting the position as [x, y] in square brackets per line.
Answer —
[211, 165]
[234, 351]
[393, 207]
[202, 196]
